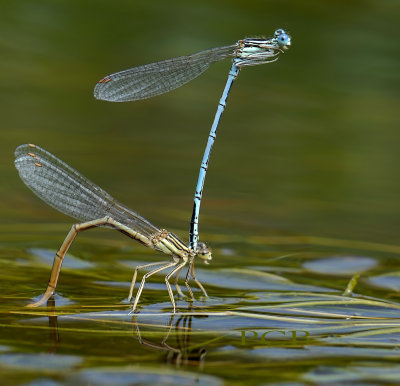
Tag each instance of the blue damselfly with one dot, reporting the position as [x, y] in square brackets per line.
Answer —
[153, 79]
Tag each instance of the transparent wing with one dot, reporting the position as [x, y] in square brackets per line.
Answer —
[158, 78]
[68, 191]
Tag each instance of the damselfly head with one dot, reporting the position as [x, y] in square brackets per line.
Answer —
[282, 39]
[204, 252]
[255, 51]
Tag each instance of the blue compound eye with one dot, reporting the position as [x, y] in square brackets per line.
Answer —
[283, 40]
[278, 32]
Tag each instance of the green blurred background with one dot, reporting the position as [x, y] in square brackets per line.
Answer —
[307, 145]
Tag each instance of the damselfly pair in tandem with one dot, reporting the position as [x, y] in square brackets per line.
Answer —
[68, 191]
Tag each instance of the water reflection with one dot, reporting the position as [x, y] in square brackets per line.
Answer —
[184, 353]
[176, 342]
[53, 325]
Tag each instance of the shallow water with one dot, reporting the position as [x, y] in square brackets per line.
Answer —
[302, 194]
